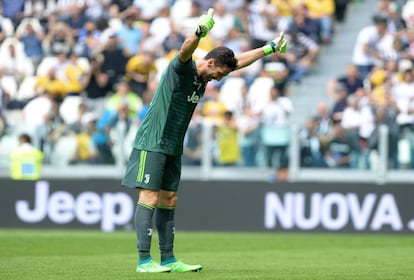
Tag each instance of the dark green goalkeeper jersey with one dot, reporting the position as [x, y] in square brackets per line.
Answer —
[178, 92]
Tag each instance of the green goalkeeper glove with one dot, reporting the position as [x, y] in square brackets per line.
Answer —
[277, 45]
[205, 23]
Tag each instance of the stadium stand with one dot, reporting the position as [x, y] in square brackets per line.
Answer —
[91, 35]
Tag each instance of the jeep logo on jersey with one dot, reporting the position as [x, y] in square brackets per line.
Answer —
[194, 98]
[61, 207]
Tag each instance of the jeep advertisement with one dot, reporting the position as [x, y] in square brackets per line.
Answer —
[213, 205]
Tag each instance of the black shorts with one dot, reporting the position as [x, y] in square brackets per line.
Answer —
[152, 170]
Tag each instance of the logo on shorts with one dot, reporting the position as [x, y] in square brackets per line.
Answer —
[147, 178]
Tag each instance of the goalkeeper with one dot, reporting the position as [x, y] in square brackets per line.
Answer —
[154, 165]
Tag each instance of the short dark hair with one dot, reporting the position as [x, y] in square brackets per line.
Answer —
[379, 18]
[223, 56]
[25, 138]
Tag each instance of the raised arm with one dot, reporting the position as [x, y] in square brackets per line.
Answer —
[188, 47]
[205, 24]
[277, 45]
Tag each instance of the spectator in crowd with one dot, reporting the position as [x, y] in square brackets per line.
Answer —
[161, 27]
[250, 72]
[76, 19]
[224, 22]
[39, 9]
[370, 43]
[119, 127]
[341, 8]
[13, 10]
[3, 30]
[114, 59]
[213, 108]
[193, 140]
[59, 39]
[63, 8]
[26, 160]
[146, 100]
[261, 16]
[97, 9]
[15, 63]
[403, 93]
[86, 152]
[102, 139]
[35, 115]
[386, 113]
[52, 84]
[121, 5]
[228, 152]
[173, 41]
[88, 40]
[301, 55]
[392, 10]
[350, 80]
[204, 5]
[32, 44]
[275, 129]
[54, 129]
[303, 23]
[323, 12]
[339, 149]
[74, 73]
[358, 124]
[130, 36]
[140, 69]
[85, 116]
[311, 152]
[278, 68]
[248, 125]
[285, 11]
[340, 103]
[123, 95]
[324, 122]
[150, 10]
[96, 85]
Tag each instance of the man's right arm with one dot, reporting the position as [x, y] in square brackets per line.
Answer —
[205, 24]
[188, 48]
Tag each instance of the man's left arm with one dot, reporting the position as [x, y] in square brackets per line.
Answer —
[246, 58]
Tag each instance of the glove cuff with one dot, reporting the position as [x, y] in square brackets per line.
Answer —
[269, 49]
[200, 33]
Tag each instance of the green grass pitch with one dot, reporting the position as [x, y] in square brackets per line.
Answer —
[58, 254]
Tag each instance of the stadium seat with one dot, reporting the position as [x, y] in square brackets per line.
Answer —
[4, 47]
[27, 88]
[45, 64]
[259, 92]
[8, 143]
[180, 10]
[115, 24]
[7, 26]
[9, 84]
[63, 150]
[161, 63]
[69, 108]
[83, 63]
[15, 118]
[231, 92]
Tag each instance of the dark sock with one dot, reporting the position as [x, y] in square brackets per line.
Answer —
[143, 227]
[164, 220]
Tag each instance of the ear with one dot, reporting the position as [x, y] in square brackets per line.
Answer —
[210, 62]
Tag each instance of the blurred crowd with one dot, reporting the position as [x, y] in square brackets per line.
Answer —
[376, 88]
[78, 76]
